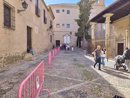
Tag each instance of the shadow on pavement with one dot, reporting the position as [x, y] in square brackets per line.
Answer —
[115, 73]
[97, 87]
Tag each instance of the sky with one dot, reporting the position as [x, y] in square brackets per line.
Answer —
[107, 2]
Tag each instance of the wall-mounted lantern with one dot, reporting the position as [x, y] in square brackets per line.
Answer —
[24, 5]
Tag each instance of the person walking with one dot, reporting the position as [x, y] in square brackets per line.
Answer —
[103, 56]
[97, 55]
[126, 55]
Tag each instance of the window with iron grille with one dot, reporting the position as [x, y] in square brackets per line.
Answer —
[9, 16]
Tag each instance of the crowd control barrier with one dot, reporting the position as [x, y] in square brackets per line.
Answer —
[32, 85]
[52, 55]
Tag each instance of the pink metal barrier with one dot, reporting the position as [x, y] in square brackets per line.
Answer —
[52, 55]
[32, 86]
[55, 51]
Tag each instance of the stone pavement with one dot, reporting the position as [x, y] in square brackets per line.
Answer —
[11, 76]
[73, 76]
[119, 79]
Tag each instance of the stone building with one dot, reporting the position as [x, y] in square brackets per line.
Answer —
[25, 28]
[98, 37]
[65, 26]
[117, 20]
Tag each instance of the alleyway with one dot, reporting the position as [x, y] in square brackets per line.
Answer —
[71, 76]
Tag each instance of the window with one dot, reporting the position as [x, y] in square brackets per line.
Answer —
[97, 1]
[68, 11]
[63, 10]
[44, 17]
[51, 38]
[57, 11]
[37, 8]
[68, 25]
[9, 16]
[63, 25]
[58, 25]
[51, 26]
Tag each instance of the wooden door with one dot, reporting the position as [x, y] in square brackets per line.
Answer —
[57, 43]
[120, 49]
[29, 37]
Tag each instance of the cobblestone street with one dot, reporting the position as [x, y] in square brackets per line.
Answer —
[65, 49]
[73, 76]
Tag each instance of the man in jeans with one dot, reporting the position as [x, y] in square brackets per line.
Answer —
[97, 55]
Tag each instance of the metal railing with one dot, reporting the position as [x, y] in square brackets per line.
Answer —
[32, 86]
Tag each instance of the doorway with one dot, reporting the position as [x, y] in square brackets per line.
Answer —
[67, 39]
[120, 48]
[57, 43]
[29, 38]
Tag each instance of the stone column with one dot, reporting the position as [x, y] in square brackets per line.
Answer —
[93, 27]
[126, 38]
[107, 33]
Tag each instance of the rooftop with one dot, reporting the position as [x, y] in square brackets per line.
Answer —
[65, 4]
[120, 8]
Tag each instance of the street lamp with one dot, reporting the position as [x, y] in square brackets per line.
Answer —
[24, 5]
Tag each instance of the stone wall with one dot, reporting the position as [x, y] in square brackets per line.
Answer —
[10, 58]
[14, 40]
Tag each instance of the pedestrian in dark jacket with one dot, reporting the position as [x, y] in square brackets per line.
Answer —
[126, 55]
[97, 55]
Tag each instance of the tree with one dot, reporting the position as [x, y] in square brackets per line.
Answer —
[85, 7]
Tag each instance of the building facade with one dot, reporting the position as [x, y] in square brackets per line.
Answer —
[25, 29]
[117, 32]
[98, 35]
[65, 26]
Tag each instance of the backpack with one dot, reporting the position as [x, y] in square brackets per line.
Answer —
[127, 54]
